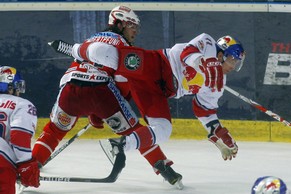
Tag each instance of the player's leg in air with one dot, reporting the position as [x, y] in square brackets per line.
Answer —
[152, 103]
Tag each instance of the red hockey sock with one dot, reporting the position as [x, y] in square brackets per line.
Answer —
[7, 177]
[145, 137]
[47, 142]
[153, 154]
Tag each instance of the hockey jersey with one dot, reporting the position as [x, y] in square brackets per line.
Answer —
[185, 61]
[18, 120]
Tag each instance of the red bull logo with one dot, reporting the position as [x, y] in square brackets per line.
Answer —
[7, 70]
[270, 186]
[274, 185]
[7, 74]
[227, 39]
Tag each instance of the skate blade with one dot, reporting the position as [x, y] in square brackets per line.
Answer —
[107, 149]
[179, 184]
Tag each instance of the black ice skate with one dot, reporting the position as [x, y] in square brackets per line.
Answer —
[169, 174]
[112, 147]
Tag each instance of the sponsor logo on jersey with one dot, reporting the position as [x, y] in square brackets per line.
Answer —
[107, 37]
[213, 64]
[64, 119]
[8, 104]
[132, 61]
[114, 123]
[92, 77]
[124, 106]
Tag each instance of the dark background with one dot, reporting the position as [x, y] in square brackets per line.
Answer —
[24, 36]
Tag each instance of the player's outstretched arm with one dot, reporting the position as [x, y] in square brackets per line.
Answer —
[221, 137]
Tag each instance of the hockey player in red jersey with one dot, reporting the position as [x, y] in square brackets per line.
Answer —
[87, 90]
[196, 68]
[18, 121]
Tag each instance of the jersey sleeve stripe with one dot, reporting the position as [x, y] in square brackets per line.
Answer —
[13, 128]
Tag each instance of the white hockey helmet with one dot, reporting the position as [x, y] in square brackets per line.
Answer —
[123, 13]
[10, 78]
[269, 185]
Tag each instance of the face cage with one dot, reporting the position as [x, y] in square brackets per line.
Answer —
[19, 86]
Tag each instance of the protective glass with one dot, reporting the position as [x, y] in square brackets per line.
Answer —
[20, 86]
[235, 62]
[133, 26]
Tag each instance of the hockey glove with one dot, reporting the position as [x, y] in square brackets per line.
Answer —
[212, 69]
[96, 121]
[29, 173]
[225, 143]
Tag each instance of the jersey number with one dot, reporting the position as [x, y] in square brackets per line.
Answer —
[31, 110]
[3, 118]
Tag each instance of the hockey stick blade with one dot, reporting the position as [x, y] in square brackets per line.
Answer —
[119, 164]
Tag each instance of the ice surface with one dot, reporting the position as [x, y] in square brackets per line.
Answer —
[200, 163]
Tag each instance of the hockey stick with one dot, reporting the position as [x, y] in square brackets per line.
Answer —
[83, 130]
[20, 187]
[258, 106]
[118, 165]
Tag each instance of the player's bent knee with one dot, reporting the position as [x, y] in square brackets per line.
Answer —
[162, 129]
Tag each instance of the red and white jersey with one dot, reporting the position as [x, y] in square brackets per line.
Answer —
[18, 122]
[98, 49]
[84, 72]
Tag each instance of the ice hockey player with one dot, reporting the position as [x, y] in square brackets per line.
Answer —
[80, 84]
[18, 121]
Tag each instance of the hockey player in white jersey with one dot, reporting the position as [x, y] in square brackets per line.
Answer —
[190, 64]
[18, 121]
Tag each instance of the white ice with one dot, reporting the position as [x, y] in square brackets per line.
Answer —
[200, 163]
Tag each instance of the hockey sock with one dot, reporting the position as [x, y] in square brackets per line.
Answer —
[145, 137]
[153, 154]
[47, 142]
[7, 177]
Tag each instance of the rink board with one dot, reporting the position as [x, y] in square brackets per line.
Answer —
[241, 130]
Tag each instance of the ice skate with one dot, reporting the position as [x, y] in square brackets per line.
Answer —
[112, 147]
[169, 174]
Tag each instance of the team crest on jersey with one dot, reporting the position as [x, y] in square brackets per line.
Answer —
[64, 119]
[132, 61]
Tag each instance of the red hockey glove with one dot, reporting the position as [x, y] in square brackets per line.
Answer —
[225, 143]
[96, 121]
[213, 73]
[29, 173]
